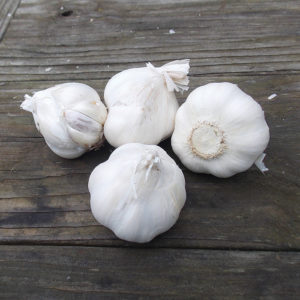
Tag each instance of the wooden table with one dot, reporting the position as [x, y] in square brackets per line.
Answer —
[236, 238]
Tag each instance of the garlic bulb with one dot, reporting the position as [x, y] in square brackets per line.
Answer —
[220, 130]
[70, 116]
[138, 192]
[142, 104]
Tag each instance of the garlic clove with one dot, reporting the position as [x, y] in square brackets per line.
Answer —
[82, 129]
[95, 110]
[73, 93]
[138, 193]
[52, 127]
[127, 129]
[70, 117]
[219, 130]
[142, 104]
[66, 150]
[49, 122]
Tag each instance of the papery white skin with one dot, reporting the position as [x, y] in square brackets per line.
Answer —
[231, 127]
[70, 116]
[142, 104]
[138, 192]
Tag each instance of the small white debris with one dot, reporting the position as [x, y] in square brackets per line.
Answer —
[68, 60]
[48, 69]
[9, 15]
[77, 67]
[91, 20]
[94, 270]
[157, 27]
[171, 31]
[272, 96]
[108, 66]
[62, 8]
[68, 277]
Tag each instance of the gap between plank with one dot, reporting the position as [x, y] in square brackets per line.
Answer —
[144, 246]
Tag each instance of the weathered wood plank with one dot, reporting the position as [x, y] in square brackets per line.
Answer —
[100, 38]
[111, 273]
[7, 10]
[44, 198]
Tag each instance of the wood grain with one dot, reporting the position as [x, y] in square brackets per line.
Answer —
[101, 38]
[44, 198]
[7, 10]
[58, 251]
[111, 273]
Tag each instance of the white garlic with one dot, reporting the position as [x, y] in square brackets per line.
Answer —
[138, 192]
[142, 104]
[220, 130]
[70, 116]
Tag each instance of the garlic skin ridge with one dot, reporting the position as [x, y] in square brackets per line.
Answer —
[138, 192]
[142, 104]
[70, 117]
[220, 130]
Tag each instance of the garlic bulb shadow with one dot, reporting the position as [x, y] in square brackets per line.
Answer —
[70, 116]
[142, 103]
[220, 130]
[138, 192]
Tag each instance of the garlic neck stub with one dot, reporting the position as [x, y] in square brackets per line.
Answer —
[138, 192]
[70, 117]
[142, 103]
[220, 130]
[147, 172]
[207, 140]
[174, 73]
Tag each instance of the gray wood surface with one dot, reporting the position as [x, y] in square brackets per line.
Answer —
[108, 273]
[7, 10]
[44, 199]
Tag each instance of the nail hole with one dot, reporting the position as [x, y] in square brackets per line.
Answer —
[67, 13]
